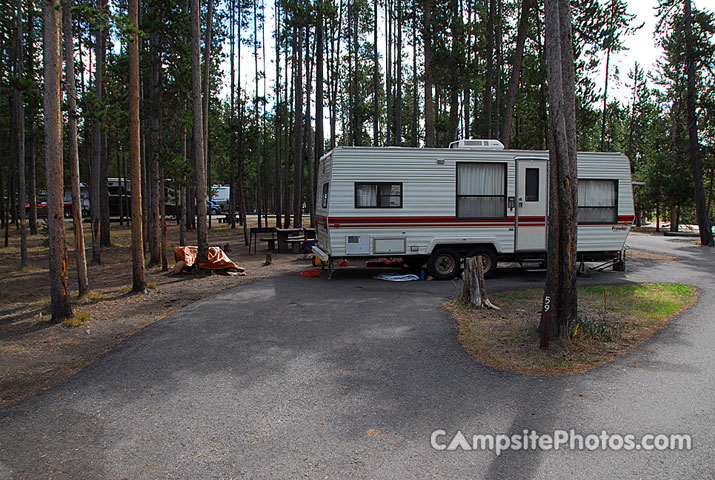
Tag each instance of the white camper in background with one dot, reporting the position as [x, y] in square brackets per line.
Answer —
[437, 206]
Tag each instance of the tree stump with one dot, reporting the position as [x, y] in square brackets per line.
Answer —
[473, 289]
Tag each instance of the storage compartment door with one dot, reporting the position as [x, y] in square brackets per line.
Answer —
[389, 246]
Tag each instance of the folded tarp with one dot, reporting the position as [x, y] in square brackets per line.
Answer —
[217, 260]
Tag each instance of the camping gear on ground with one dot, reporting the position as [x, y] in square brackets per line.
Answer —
[217, 261]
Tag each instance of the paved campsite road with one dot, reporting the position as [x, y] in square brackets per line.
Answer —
[291, 377]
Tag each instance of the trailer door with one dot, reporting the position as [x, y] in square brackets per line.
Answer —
[531, 204]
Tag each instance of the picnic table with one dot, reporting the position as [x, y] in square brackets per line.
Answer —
[288, 238]
[253, 237]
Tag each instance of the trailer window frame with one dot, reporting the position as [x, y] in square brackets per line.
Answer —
[378, 203]
[324, 199]
[614, 207]
[503, 196]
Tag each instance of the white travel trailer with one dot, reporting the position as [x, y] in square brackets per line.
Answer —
[436, 206]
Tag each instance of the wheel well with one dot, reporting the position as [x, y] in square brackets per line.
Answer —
[464, 248]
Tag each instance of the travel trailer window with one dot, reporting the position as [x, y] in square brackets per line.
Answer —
[532, 185]
[378, 195]
[324, 202]
[481, 190]
[597, 201]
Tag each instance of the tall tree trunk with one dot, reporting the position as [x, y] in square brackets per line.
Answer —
[257, 117]
[489, 75]
[398, 87]
[357, 111]
[59, 293]
[563, 197]
[388, 72]
[32, 139]
[279, 117]
[138, 273]
[706, 234]
[104, 236]
[206, 101]
[298, 134]
[517, 61]
[415, 109]
[455, 87]
[32, 180]
[20, 132]
[375, 81]
[96, 177]
[72, 116]
[198, 131]
[429, 105]
[308, 132]
[498, 29]
[604, 112]
[319, 80]
[154, 136]
[183, 195]
[164, 247]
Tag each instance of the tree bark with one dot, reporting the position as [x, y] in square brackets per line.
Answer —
[32, 139]
[164, 247]
[138, 273]
[72, 116]
[517, 61]
[59, 293]
[375, 82]
[474, 290]
[489, 75]
[563, 198]
[19, 105]
[398, 86]
[154, 135]
[298, 134]
[198, 131]
[415, 102]
[706, 234]
[429, 105]
[279, 117]
[95, 172]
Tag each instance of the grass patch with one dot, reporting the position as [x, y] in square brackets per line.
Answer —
[92, 297]
[125, 289]
[612, 320]
[153, 286]
[79, 319]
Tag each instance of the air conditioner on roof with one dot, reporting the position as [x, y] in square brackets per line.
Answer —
[478, 144]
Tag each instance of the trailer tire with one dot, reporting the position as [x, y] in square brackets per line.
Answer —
[489, 259]
[414, 261]
[444, 263]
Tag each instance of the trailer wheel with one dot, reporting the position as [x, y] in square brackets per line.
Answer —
[489, 260]
[444, 264]
[414, 261]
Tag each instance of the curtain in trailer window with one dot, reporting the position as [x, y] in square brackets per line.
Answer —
[367, 195]
[480, 190]
[597, 201]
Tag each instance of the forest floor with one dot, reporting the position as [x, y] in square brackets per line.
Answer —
[36, 354]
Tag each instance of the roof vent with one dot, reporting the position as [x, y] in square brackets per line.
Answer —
[471, 143]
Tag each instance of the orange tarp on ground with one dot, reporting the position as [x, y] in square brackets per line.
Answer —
[217, 260]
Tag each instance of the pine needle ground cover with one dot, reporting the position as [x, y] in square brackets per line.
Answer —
[613, 320]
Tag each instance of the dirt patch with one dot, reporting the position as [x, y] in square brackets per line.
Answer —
[613, 320]
[36, 354]
[643, 256]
